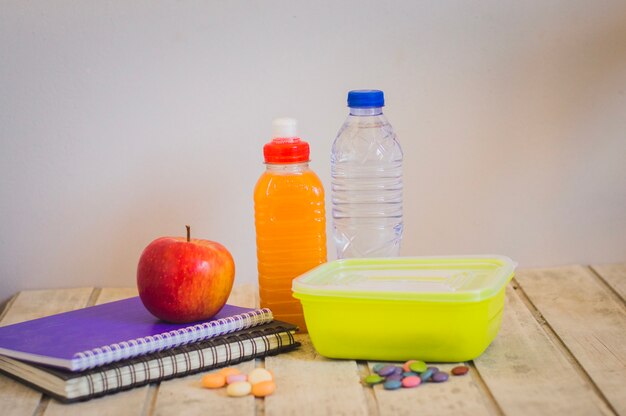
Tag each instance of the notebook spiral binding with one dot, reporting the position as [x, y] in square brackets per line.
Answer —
[214, 346]
[160, 342]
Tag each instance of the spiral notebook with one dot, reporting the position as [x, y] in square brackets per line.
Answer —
[67, 386]
[102, 334]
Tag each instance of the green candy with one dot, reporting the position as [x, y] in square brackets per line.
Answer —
[374, 379]
[418, 366]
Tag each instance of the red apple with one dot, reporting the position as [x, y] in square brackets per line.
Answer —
[185, 280]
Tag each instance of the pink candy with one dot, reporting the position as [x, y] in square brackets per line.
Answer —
[233, 378]
[411, 381]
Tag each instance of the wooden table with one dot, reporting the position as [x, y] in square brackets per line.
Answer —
[561, 350]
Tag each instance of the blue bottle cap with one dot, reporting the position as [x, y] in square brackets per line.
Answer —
[366, 99]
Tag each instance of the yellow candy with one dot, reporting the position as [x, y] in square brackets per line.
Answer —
[239, 389]
[213, 381]
[258, 375]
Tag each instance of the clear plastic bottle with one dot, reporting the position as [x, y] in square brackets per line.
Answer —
[366, 168]
[290, 221]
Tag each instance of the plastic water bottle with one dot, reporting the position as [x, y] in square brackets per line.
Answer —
[366, 167]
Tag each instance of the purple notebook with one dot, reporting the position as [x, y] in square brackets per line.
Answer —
[114, 331]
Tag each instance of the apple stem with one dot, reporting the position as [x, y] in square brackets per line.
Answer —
[188, 233]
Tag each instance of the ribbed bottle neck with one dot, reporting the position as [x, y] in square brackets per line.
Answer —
[371, 111]
[287, 167]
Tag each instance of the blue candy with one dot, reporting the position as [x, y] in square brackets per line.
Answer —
[426, 375]
[392, 385]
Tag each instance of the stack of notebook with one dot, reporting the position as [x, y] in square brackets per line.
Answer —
[119, 345]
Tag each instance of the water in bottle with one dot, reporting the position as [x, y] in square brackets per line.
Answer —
[290, 221]
[366, 168]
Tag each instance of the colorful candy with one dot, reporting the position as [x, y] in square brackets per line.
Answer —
[410, 374]
[392, 384]
[418, 366]
[374, 379]
[406, 365]
[426, 375]
[439, 377]
[259, 382]
[263, 388]
[232, 378]
[227, 371]
[213, 381]
[239, 389]
[376, 368]
[460, 370]
[258, 375]
[387, 370]
[411, 381]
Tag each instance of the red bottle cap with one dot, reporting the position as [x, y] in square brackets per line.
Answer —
[286, 150]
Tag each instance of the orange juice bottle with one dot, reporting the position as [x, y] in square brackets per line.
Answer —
[290, 221]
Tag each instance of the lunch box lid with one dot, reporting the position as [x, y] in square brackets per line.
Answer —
[431, 279]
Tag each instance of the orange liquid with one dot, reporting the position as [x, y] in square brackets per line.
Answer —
[290, 222]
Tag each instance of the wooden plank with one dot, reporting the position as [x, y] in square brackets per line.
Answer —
[131, 402]
[309, 384]
[370, 397]
[529, 374]
[186, 396]
[589, 319]
[615, 276]
[457, 396]
[16, 398]
[115, 293]
[34, 304]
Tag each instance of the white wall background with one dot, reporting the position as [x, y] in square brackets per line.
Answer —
[124, 121]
